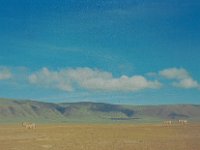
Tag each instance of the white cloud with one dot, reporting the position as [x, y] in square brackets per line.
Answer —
[186, 83]
[123, 83]
[54, 79]
[174, 73]
[90, 79]
[182, 77]
[5, 73]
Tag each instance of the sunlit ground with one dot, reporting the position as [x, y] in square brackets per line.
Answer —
[101, 137]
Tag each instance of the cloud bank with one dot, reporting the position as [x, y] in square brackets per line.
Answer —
[5, 73]
[90, 79]
[76, 79]
[181, 77]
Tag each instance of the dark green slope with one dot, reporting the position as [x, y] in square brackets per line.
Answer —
[12, 111]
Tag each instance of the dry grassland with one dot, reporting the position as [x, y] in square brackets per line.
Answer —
[100, 137]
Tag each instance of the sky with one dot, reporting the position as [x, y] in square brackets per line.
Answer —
[113, 51]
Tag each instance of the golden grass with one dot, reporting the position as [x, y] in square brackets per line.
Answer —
[100, 137]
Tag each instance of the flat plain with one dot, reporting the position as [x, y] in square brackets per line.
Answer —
[100, 137]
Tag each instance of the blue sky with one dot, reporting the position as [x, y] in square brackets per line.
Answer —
[130, 51]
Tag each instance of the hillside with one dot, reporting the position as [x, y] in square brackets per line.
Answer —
[13, 111]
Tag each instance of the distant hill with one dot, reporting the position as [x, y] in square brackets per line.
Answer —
[13, 111]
